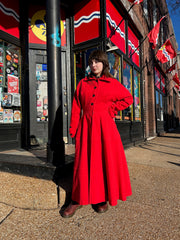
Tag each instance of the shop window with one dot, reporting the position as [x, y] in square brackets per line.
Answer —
[157, 106]
[10, 96]
[81, 67]
[161, 108]
[157, 79]
[160, 81]
[127, 82]
[163, 89]
[115, 70]
[137, 99]
[160, 96]
[41, 92]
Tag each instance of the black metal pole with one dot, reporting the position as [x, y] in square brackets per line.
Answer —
[131, 54]
[25, 132]
[54, 71]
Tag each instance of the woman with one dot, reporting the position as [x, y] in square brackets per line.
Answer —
[100, 168]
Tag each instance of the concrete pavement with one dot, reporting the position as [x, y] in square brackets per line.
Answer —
[28, 204]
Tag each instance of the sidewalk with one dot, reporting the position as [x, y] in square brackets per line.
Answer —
[28, 205]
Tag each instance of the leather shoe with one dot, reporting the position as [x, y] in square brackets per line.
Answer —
[70, 210]
[101, 207]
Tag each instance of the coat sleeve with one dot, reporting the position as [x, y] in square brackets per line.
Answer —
[121, 100]
[75, 112]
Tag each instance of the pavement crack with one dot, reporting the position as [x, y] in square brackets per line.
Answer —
[6, 216]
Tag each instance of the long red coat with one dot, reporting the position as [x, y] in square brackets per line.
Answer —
[100, 168]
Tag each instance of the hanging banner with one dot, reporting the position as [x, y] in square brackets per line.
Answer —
[9, 12]
[86, 21]
[113, 18]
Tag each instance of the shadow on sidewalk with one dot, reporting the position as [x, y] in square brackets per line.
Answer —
[63, 177]
[153, 150]
[177, 164]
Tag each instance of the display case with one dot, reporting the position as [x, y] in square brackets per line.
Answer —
[10, 87]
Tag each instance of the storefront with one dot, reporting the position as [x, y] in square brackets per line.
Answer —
[161, 101]
[124, 62]
[10, 77]
[85, 26]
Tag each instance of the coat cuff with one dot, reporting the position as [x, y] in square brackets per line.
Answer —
[112, 111]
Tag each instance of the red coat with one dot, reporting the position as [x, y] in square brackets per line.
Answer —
[100, 168]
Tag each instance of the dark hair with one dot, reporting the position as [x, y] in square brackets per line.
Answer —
[101, 56]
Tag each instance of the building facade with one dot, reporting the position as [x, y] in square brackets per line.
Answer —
[113, 26]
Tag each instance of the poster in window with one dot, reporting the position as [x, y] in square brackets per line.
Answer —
[16, 99]
[41, 92]
[13, 84]
[8, 116]
[1, 116]
[127, 76]
[137, 109]
[127, 83]
[114, 65]
[6, 100]
[17, 116]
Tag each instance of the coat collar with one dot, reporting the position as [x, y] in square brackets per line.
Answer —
[93, 78]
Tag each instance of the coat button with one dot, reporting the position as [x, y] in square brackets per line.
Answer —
[95, 87]
[93, 95]
[92, 103]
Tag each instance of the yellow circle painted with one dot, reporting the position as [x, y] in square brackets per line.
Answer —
[38, 25]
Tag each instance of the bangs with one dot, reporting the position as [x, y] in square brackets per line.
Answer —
[99, 56]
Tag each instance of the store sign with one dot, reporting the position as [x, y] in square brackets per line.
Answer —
[86, 21]
[113, 18]
[9, 12]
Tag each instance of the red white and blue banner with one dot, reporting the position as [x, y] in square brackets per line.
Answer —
[113, 18]
[9, 12]
[86, 21]
[166, 52]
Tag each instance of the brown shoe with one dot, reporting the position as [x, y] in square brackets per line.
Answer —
[101, 207]
[70, 210]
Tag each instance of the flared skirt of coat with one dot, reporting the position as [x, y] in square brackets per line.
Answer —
[100, 167]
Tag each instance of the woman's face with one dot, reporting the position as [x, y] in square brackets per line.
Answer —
[96, 67]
